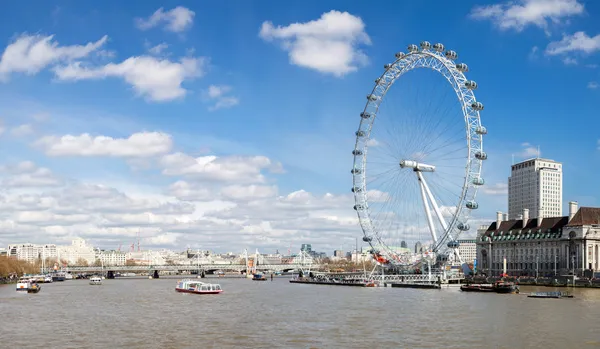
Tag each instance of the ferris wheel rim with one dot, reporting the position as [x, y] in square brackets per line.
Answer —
[417, 59]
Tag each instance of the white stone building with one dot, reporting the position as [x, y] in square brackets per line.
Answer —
[31, 253]
[112, 257]
[467, 250]
[535, 184]
[542, 246]
[78, 249]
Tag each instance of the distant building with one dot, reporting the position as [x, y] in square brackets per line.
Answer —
[467, 250]
[338, 253]
[111, 258]
[418, 247]
[535, 185]
[403, 244]
[31, 253]
[306, 247]
[542, 246]
[78, 249]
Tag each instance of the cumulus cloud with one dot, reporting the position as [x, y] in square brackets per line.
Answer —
[185, 191]
[27, 175]
[234, 217]
[240, 169]
[141, 144]
[158, 49]
[517, 15]
[248, 192]
[592, 85]
[29, 54]
[528, 151]
[175, 20]
[22, 130]
[330, 44]
[218, 95]
[579, 42]
[154, 78]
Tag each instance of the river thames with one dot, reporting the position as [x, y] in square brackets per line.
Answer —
[142, 313]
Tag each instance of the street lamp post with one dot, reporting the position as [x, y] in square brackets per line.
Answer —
[573, 268]
[537, 258]
[554, 265]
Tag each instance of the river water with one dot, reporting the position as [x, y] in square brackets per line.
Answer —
[142, 313]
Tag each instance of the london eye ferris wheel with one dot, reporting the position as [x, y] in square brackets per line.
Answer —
[418, 158]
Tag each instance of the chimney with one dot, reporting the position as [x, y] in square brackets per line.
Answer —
[540, 216]
[572, 209]
[505, 215]
[498, 219]
[525, 216]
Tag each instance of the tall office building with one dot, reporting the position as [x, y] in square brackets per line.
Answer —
[536, 185]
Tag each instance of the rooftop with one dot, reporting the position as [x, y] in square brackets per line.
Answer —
[550, 227]
[538, 159]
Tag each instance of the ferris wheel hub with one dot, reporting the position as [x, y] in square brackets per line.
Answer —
[417, 166]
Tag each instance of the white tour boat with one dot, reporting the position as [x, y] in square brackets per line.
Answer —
[95, 280]
[197, 287]
[29, 285]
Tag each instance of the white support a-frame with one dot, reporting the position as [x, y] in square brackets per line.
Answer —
[428, 200]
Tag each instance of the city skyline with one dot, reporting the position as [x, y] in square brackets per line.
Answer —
[243, 136]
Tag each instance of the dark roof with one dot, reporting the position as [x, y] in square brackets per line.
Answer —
[514, 225]
[586, 216]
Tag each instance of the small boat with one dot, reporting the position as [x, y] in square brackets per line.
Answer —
[23, 284]
[28, 285]
[506, 287]
[259, 277]
[371, 284]
[34, 288]
[58, 276]
[550, 295]
[95, 280]
[477, 288]
[197, 287]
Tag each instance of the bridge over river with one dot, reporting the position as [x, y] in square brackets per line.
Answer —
[200, 268]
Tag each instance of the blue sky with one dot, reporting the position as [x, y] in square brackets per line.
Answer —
[216, 87]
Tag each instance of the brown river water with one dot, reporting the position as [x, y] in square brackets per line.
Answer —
[142, 313]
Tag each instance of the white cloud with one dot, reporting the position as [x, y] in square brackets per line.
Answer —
[143, 144]
[175, 20]
[185, 191]
[156, 79]
[27, 175]
[519, 14]
[579, 42]
[158, 49]
[251, 216]
[329, 44]
[248, 192]
[30, 54]
[533, 54]
[240, 169]
[528, 151]
[592, 85]
[22, 130]
[495, 189]
[218, 93]
[569, 61]
[372, 142]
